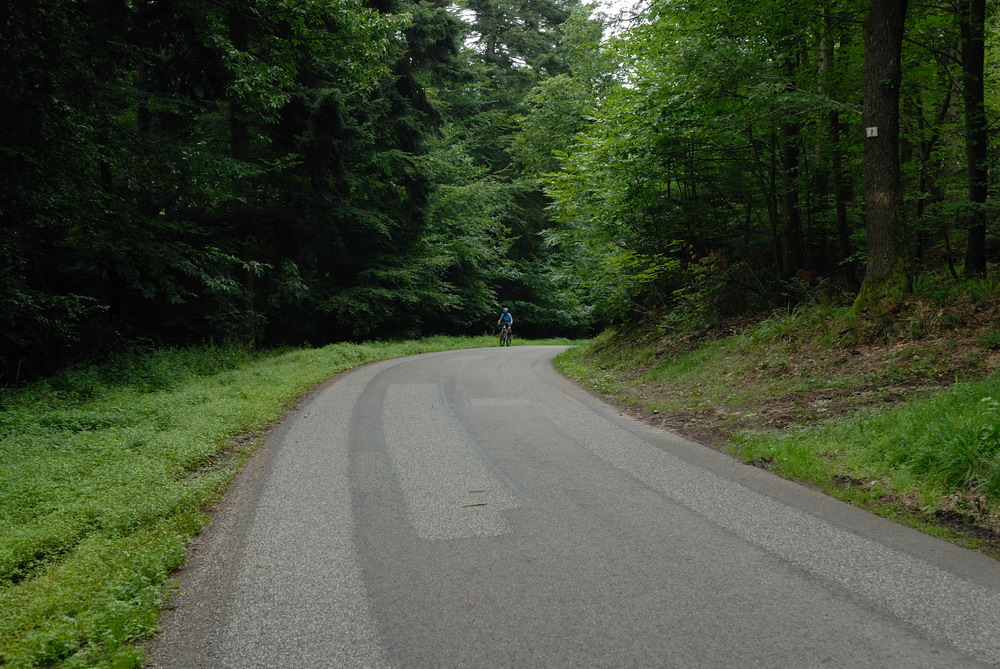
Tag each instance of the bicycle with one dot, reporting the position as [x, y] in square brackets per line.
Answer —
[505, 335]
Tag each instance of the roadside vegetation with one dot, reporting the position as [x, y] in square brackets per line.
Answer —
[898, 414]
[106, 472]
[299, 173]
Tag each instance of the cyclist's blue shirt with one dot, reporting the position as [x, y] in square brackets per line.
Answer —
[507, 318]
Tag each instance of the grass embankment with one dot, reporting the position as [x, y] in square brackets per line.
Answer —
[898, 415]
[106, 473]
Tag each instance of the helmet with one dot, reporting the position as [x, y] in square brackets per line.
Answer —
[505, 309]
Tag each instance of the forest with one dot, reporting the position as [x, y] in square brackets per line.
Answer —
[301, 172]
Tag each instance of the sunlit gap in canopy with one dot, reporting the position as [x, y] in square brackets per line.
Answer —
[619, 15]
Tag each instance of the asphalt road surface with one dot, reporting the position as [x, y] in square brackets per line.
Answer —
[474, 509]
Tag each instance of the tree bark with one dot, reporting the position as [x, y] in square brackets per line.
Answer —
[837, 174]
[888, 278]
[973, 20]
[772, 175]
[791, 217]
[791, 237]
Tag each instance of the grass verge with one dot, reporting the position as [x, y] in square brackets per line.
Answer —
[933, 463]
[106, 474]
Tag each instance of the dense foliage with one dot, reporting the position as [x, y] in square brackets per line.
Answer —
[306, 171]
[264, 171]
[733, 170]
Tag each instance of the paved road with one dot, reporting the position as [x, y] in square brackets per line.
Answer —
[474, 509]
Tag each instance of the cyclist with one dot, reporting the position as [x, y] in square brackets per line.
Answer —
[506, 319]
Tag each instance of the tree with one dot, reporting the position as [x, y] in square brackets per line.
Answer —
[889, 274]
[136, 158]
[973, 27]
[523, 55]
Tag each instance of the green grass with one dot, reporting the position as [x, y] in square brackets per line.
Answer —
[105, 475]
[945, 444]
[693, 378]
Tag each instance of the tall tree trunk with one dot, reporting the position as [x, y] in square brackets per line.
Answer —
[772, 175]
[973, 19]
[791, 237]
[928, 189]
[888, 278]
[837, 176]
[791, 231]
[841, 193]
[764, 172]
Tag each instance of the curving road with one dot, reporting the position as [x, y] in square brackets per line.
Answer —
[474, 509]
